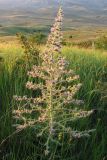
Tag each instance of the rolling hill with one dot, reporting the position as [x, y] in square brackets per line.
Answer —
[31, 13]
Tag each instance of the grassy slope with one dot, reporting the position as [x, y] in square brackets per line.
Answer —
[90, 65]
[13, 30]
[84, 34]
[73, 34]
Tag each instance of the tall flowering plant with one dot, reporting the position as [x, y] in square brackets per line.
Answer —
[53, 108]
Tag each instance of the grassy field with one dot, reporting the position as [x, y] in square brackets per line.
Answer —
[91, 65]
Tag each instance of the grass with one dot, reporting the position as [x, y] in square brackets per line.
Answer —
[91, 66]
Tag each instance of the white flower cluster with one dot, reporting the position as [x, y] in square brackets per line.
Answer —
[58, 86]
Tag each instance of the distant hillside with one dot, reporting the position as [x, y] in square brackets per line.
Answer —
[41, 13]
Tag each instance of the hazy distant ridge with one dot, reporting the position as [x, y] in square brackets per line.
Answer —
[77, 12]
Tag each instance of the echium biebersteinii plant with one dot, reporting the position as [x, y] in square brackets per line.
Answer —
[54, 106]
